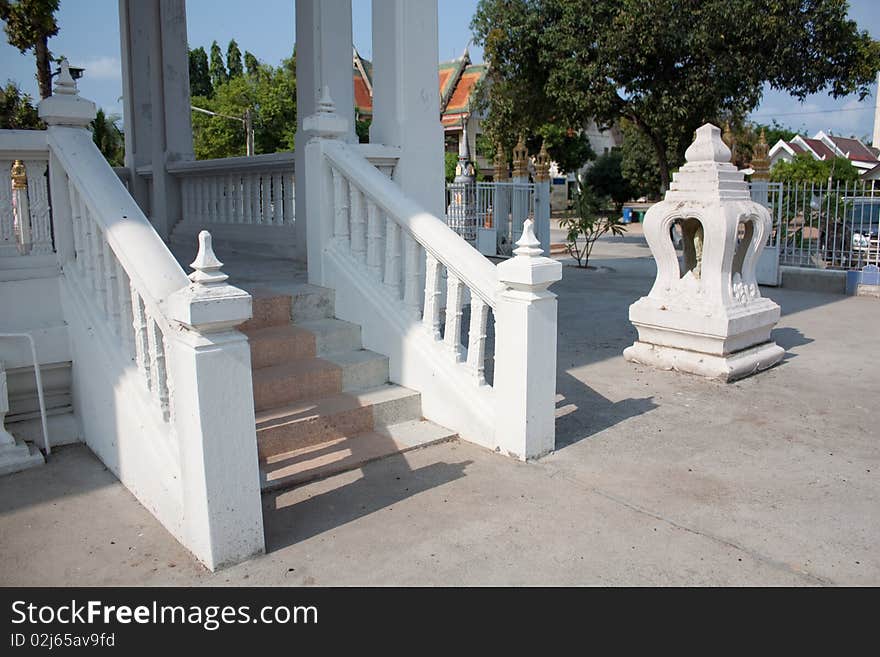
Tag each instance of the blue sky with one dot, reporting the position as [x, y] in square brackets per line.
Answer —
[89, 37]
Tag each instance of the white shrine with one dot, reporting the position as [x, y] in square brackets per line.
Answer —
[706, 315]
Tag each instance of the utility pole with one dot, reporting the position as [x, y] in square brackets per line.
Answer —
[246, 121]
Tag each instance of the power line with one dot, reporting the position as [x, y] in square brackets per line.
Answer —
[834, 111]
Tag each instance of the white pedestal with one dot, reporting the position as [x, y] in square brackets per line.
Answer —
[17, 455]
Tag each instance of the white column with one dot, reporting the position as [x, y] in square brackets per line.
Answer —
[525, 351]
[156, 100]
[406, 104]
[875, 142]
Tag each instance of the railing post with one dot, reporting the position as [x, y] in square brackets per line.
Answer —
[314, 177]
[542, 198]
[525, 351]
[214, 415]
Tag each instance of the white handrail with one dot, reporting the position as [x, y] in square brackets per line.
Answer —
[147, 261]
[429, 231]
[39, 380]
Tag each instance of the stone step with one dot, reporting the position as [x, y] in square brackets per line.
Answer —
[360, 369]
[333, 335]
[311, 421]
[270, 308]
[300, 379]
[274, 345]
[347, 453]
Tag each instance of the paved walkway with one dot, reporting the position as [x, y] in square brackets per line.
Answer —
[659, 478]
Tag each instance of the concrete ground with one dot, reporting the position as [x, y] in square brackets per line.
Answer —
[659, 478]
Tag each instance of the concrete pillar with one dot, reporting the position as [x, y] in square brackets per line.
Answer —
[323, 59]
[406, 105]
[875, 142]
[525, 353]
[542, 199]
[215, 415]
[156, 86]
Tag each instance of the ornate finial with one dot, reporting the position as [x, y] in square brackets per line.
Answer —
[325, 103]
[528, 245]
[207, 266]
[520, 158]
[65, 84]
[19, 175]
[761, 159]
[542, 164]
[708, 146]
[500, 164]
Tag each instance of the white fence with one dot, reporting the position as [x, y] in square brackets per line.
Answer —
[830, 226]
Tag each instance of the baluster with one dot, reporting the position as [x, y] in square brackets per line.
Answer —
[75, 225]
[110, 282]
[277, 210]
[88, 264]
[7, 218]
[186, 196]
[204, 200]
[288, 183]
[226, 191]
[247, 212]
[374, 241]
[38, 192]
[141, 341]
[358, 225]
[123, 288]
[431, 316]
[411, 275]
[392, 257]
[452, 332]
[100, 276]
[476, 352]
[340, 205]
[266, 199]
[255, 198]
[157, 361]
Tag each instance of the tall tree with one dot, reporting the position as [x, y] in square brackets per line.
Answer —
[217, 68]
[251, 63]
[108, 137]
[29, 25]
[667, 66]
[199, 74]
[233, 60]
[17, 111]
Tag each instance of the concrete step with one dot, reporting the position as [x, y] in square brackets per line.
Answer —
[300, 379]
[333, 335]
[274, 345]
[311, 421]
[360, 369]
[347, 453]
[270, 308]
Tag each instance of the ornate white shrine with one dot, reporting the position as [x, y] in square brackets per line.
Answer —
[706, 315]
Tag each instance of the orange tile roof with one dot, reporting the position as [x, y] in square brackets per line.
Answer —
[362, 99]
[463, 90]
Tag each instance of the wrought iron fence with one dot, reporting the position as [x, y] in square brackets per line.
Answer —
[830, 226]
[503, 206]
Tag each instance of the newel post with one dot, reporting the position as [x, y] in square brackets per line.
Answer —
[65, 108]
[214, 415]
[316, 184]
[525, 351]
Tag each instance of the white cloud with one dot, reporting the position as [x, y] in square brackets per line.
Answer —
[101, 68]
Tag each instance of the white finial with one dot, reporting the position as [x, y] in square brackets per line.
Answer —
[326, 104]
[708, 146]
[528, 245]
[65, 84]
[207, 266]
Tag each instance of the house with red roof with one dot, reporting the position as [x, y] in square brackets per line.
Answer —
[824, 147]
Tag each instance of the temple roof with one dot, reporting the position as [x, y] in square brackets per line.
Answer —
[457, 80]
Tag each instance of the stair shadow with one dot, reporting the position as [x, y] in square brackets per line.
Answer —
[383, 483]
[581, 412]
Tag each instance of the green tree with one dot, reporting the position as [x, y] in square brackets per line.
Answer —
[570, 149]
[233, 60]
[108, 137]
[638, 163]
[450, 161]
[216, 67]
[804, 169]
[17, 111]
[667, 66]
[199, 74]
[587, 221]
[605, 178]
[29, 25]
[251, 63]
